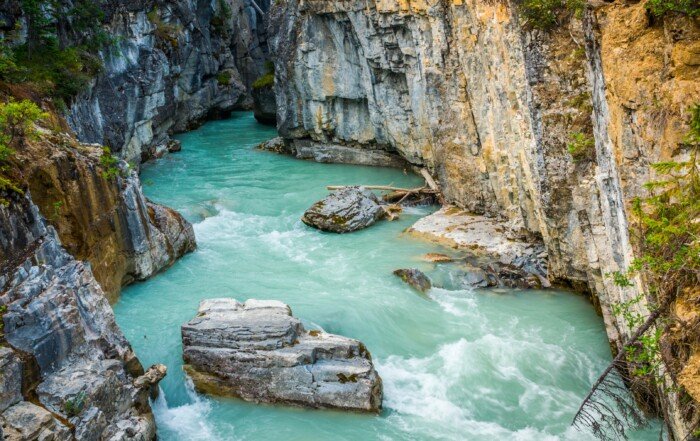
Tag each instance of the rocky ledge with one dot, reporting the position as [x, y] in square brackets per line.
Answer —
[259, 352]
[344, 211]
[492, 257]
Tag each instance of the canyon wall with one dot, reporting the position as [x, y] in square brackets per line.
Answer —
[67, 370]
[488, 105]
[171, 66]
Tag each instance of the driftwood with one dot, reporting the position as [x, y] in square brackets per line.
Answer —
[398, 195]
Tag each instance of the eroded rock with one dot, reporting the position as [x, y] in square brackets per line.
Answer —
[344, 211]
[258, 351]
[415, 278]
[26, 421]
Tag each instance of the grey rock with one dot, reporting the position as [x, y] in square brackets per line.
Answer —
[153, 86]
[265, 105]
[340, 154]
[10, 378]
[276, 145]
[344, 211]
[28, 422]
[259, 352]
[57, 315]
[415, 278]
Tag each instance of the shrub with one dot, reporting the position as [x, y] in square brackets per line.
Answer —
[17, 119]
[661, 7]
[581, 147]
[75, 405]
[164, 31]
[110, 164]
[543, 14]
[224, 78]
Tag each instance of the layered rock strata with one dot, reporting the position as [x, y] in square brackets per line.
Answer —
[68, 372]
[488, 104]
[259, 352]
[172, 66]
[101, 214]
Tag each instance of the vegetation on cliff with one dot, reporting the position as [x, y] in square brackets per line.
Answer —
[17, 120]
[59, 54]
[666, 227]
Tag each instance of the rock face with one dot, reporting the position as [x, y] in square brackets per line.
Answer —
[64, 350]
[488, 105]
[265, 105]
[105, 221]
[415, 278]
[344, 211]
[257, 351]
[174, 64]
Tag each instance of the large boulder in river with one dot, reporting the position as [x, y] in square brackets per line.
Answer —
[415, 278]
[344, 211]
[259, 352]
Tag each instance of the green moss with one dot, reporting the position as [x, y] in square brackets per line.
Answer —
[164, 32]
[267, 80]
[224, 78]
[74, 406]
[352, 378]
[581, 147]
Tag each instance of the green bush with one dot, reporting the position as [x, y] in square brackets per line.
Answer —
[224, 78]
[167, 32]
[544, 14]
[661, 7]
[17, 120]
[74, 406]
[110, 164]
[581, 146]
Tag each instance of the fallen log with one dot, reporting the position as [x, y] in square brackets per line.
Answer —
[377, 187]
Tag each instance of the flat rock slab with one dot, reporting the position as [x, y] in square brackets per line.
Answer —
[259, 352]
[482, 235]
[344, 211]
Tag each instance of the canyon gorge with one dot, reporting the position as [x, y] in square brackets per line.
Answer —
[475, 93]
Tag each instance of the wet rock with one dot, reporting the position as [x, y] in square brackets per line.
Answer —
[259, 352]
[276, 145]
[264, 105]
[26, 421]
[179, 234]
[437, 258]
[10, 378]
[344, 211]
[174, 146]
[415, 278]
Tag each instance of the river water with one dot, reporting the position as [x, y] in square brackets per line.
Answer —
[458, 364]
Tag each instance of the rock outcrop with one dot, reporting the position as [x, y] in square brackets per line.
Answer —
[488, 105]
[414, 278]
[105, 220]
[68, 371]
[344, 211]
[259, 352]
[173, 65]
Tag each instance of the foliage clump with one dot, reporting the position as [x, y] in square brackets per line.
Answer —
[224, 78]
[110, 164]
[581, 147]
[61, 53]
[544, 14]
[164, 31]
[74, 406]
[268, 79]
[17, 124]
[666, 229]
[660, 8]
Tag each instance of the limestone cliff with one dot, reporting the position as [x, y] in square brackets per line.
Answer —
[488, 104]
[106, 221]
[67, 370]
[172, 65]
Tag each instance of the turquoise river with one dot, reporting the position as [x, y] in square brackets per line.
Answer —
[459, 364]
